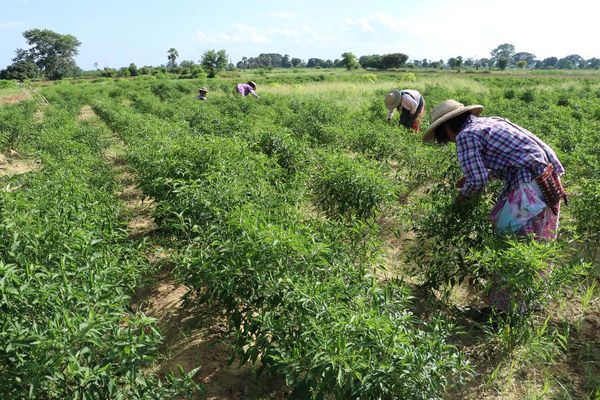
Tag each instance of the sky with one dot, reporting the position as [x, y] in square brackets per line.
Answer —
[116, 33]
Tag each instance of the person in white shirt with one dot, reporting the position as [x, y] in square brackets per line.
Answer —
[409, 103]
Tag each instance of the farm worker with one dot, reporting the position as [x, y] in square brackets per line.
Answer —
[202, 93]
[496, 148]
[246, 88]
[409, 103]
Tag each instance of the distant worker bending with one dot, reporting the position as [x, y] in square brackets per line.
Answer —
[202, 93]
[246, 88]
[410, 104]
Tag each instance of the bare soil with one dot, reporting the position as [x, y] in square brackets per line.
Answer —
[16, 164]
[15, 98]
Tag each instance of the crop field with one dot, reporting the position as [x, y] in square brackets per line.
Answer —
[295, 246]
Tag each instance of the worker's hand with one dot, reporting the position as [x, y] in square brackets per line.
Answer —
[461, 182]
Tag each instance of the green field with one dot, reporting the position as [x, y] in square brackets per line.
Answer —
[8, 88]
[317, 244]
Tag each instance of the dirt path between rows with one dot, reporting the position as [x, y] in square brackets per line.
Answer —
[194, 335]
[15, 98]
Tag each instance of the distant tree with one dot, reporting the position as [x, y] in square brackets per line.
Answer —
[213, 62]
[459, 62]
[469, 62]
[503, 52]
[123, 72]
[521, 64]
[20, 70]
[371, 61]
[550, 62]
[502, 63]
[269, 60]
[172, 55]
[569, 62]
[187, 64]
[314, 63]
[485, 62]
[108, 72]
[393, 60]
[594, 63]
[328, 64]
[285, 61]
[52, 53]
[436, 64]
[296, 62]
[455, 62]
[349, 61]
[96, 65]
[529, 58]
[133, 69]
[424, 63]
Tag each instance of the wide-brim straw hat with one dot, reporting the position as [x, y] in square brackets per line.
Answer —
[445, 111]
[392, 99]
[203, 89]
[252, 84]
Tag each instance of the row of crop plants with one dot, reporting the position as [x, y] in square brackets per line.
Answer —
[297, 287]
[67, 273]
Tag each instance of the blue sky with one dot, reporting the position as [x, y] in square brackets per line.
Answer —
[116, 33]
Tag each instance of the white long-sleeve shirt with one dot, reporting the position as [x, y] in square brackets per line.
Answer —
[408, 102]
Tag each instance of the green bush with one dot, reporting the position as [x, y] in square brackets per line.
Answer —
[345, 186]
[284, 149]
[532, 272]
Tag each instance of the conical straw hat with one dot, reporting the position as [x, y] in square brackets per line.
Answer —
[446, 111]
[392, 99]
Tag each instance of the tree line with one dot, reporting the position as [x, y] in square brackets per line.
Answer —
[52, 56]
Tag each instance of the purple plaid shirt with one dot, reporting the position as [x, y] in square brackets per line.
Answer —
[244, 89]
[494, 147]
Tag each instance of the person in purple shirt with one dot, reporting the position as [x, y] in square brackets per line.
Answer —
[246, 88]
[495, 148]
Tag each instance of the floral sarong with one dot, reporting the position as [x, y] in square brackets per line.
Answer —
[523, 211]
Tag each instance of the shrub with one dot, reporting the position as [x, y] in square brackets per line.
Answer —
[532, 272]
[528, 96]
[345, 186]
[444, 231]
[168, 91]
[284, 149]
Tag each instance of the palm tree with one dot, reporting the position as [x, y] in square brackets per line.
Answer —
[173, 54]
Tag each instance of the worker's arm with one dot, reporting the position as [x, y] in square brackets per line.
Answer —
[389, 115]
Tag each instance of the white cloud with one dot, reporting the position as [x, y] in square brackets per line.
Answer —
[377, 22]
[282, 15]
[238, 33]
[246, 34]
